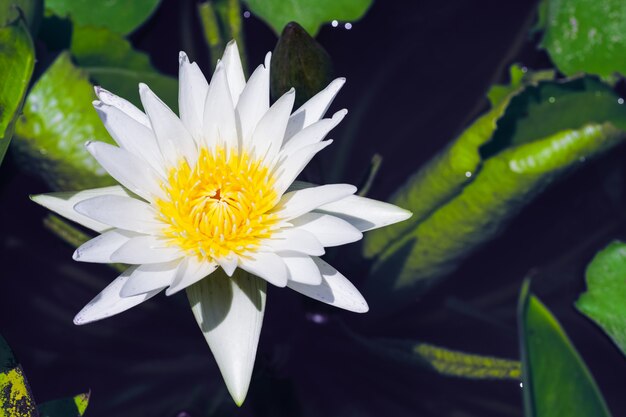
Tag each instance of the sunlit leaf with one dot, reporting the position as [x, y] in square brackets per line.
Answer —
[117, 15]
[605, 299]
[16, 399]
[57, 120]
[17, 60]
[65, 407]
[299, 62]
[310, 14]
[586, 36]
[556, 382]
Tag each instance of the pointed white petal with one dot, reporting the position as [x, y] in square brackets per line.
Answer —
[365, 213]
[63, 203]
[109, 302]
[296, 240]
[220, 126]
[229, 264]
[191, 271]
[253, 103]
[122, 212]
[329, 230]
[150, 277]
[314, 109]
[312, 134]
[131, 135]
[296, 203]
[266, 265]
[267, 138]
[127, 169]
[100, 248]
[229, 312]
[302, 269]
[124, 105]
[292, 165]
[192, 90]
[234, 70]
[335, 289]
[146, 250]
[173, 138]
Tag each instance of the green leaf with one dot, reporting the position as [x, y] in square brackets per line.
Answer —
[446, 174]
[605, 299]
[31, 10]
[299, 62]
[58, 119]
[586, 36]
[310, 14]
[17, 60]
[16, 399]
[65, 407]
[119, 16]
[110, 61]
[556, 382]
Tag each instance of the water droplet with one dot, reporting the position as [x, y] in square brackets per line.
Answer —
[551, 100]
[468, 174]
[348, 26]
[334, 23]
[620, 101]
[247, 14]
[521, 385]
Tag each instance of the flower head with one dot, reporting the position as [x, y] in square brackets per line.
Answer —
[208, 201]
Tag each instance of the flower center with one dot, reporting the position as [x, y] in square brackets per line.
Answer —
[220, 206]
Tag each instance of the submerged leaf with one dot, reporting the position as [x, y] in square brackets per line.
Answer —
[310, 14]
[17, 60]
[58, 119]
[556, 381]
[605, 299]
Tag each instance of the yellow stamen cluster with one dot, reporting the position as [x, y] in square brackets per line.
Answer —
[220, 206]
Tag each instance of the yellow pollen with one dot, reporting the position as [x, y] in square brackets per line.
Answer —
[220, 206]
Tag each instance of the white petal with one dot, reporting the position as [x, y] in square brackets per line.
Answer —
[146, 250]
[291, 166]
[100, 248]
[229, 312]
[314, 109]
[150, 277]
[312, 134]
[253, 102]
[267, 138]
[173, 138]
[234, 70]
[109, 302]
[127, 169]
[191, 271]
[294, 240]
[122, 212]
[296, 203]
[335, 290]
[302, 269]
[220, 127]
[192, 91]
[229, 264]
[63, 203]
[266, 265]
[329, 230]
[365, 213]
[131, 135]
[124, 105]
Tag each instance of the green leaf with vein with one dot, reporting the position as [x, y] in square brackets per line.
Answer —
[586, 36]
[120, 16]
[17, 60]
[556, 381]
[309, 14]
[110, 61]
[604, 302]
[445, 175]
[65, 407]
[57, 120]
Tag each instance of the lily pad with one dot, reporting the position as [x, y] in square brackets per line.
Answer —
[65, 407]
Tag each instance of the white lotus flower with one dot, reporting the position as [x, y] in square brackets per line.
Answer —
[213, 191]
